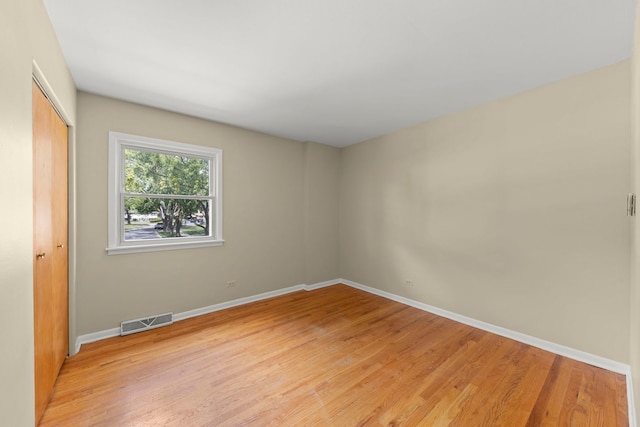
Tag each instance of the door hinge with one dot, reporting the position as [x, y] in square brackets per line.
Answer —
[631, 204]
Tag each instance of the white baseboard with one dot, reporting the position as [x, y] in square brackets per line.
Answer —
[572, 353]
[236, 302]
[579, 355]
[322, 284]
[96, 336]
[109, 333]
[631, 406]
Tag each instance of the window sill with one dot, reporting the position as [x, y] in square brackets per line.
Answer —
[165, 246]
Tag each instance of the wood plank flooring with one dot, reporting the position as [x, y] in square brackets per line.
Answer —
[335, 356]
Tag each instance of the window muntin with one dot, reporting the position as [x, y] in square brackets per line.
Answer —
[163, 195]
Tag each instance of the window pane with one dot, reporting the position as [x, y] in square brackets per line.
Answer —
[164, 195]
[154, 218]
[156, 173]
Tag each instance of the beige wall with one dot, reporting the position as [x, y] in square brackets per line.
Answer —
[25, 35]
[511, 213]
[322, 169]
[266, 221]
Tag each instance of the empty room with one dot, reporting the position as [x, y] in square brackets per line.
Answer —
[338, 213]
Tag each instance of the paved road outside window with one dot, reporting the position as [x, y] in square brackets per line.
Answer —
[141, 233]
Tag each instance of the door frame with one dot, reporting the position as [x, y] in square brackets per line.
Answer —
[41, 80]
[633, 390]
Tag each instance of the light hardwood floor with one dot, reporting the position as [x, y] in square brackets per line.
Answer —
[335, 356]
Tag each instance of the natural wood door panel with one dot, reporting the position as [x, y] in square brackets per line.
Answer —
[60, 273]
[50, 268]
[335, 356]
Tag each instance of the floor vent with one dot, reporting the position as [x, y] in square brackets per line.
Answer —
[144, 324]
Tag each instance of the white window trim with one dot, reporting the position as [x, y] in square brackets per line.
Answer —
[117, 245]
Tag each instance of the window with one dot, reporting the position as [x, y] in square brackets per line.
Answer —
[163, 195]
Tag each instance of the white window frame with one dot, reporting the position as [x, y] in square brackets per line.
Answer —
[118, 142]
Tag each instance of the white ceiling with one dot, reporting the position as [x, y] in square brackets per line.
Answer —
[333, 71]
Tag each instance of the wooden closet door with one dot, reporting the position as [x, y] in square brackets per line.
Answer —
[50, 226]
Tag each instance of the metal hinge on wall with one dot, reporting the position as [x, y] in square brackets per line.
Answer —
[631, 204]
